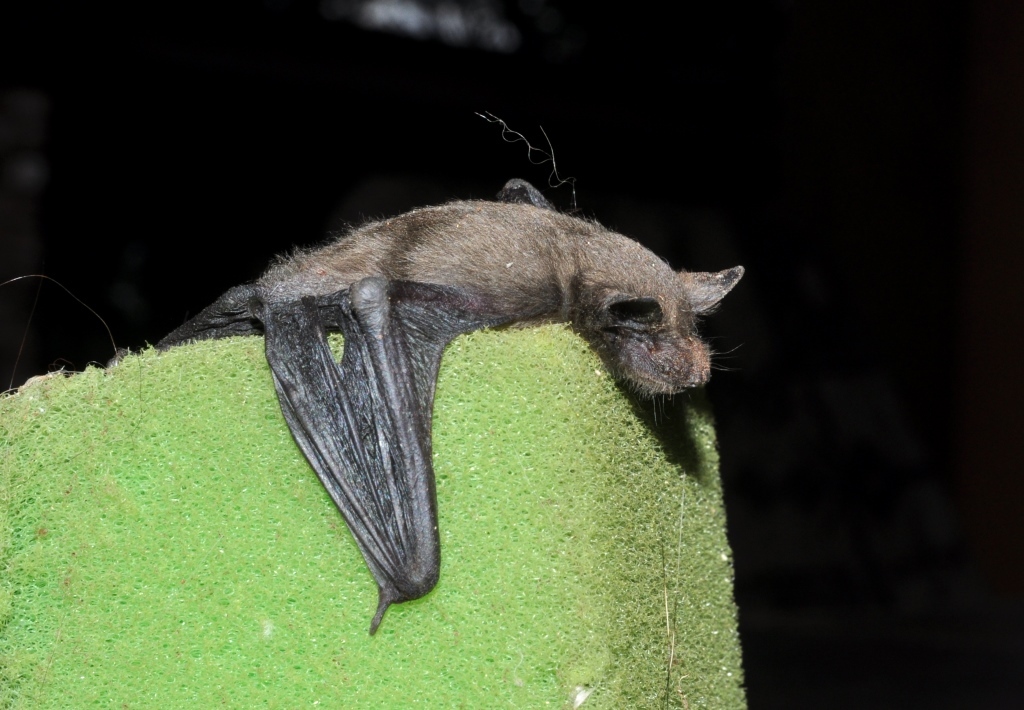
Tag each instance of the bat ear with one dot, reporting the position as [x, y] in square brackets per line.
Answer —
[705, 289]
[521, 192]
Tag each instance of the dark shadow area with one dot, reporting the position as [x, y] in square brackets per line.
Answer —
[667, 417]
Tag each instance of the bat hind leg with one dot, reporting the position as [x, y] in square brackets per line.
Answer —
[228, 315]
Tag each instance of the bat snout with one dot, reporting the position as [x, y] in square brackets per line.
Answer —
[660, 364]
[690, 365]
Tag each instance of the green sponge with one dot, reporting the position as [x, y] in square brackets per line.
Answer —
[163, 543]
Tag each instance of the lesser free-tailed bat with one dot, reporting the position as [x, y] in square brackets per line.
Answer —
[399, 290]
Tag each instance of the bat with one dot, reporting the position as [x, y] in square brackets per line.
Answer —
[399, 290]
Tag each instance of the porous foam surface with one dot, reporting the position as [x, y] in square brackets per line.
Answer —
[163, 543]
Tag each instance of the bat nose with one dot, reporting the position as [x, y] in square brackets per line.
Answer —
[697, 369]
[698, 377]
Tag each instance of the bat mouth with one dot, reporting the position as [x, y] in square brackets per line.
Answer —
[652, 386]
[656, 363]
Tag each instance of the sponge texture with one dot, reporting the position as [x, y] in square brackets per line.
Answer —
[164, 544]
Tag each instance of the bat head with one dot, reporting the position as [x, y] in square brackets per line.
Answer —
[648, 337]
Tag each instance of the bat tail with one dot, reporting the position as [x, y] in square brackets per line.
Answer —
[386, 598]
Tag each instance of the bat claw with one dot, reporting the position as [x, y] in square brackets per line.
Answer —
[386, 598]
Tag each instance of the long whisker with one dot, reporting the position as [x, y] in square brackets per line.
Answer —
[24, 336]
[32, 313]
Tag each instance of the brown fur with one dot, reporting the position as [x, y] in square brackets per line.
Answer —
[543, 266]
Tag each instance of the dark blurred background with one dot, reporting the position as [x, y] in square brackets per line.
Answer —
[864, 161]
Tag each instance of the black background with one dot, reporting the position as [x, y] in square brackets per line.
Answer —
[826, 148]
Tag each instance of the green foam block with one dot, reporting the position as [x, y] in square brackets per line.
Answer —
[163, 543]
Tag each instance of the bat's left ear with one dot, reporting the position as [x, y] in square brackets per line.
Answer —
[522, 192]
[705, 289]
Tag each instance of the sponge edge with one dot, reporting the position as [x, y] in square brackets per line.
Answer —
[164, 543]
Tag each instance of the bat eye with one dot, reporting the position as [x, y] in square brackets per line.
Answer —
[639, 311]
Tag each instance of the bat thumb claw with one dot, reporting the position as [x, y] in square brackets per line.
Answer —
[386, 599]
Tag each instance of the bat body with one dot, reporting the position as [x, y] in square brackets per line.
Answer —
[399, 290]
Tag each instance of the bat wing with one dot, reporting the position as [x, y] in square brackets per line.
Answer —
[364, 424]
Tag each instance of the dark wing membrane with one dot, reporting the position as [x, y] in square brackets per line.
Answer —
[365, 424]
